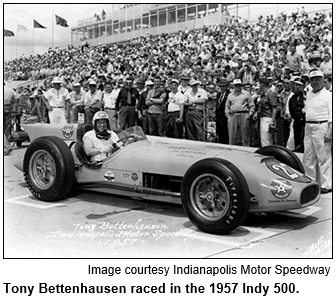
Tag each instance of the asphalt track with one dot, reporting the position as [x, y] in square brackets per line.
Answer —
[92, 225]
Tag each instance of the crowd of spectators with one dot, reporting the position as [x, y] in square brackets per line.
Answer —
[268, 54]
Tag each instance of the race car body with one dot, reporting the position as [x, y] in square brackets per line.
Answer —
[217, 184]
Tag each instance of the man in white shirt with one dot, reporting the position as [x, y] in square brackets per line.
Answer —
[174, 120]
[110, 95]
[76, 101]
[318, 132]
[326, 65]
[100, 142]
[92, 101]
[195, 101]
[57, 102]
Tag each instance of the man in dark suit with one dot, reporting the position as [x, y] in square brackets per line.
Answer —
[221, 119]
[125, 104]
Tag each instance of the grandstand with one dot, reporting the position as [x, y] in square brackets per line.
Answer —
[135, 20]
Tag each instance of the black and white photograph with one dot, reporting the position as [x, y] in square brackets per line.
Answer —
[168, 131]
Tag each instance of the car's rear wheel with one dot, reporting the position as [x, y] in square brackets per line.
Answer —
[215, 196]
[283, 155]
[49, 168]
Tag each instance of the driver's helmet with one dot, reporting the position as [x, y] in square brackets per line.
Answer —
[101, 115]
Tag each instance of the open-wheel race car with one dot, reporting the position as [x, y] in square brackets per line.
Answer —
[216, 184]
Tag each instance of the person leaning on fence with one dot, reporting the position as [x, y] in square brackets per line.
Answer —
[317, 158]
[239, 108]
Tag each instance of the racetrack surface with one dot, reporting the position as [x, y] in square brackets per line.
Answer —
[95, 225]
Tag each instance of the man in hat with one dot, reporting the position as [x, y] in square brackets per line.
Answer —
[110, 95]
[92, 101]
[184, 84]
[175, 110]
[195, 101]
[267, 112]
[141, 105]
[143, 108]
[239, 108]
[76, 101]
[221, 119]
[318, 132]
[34, 112]
[155, 101]
[57, 102]
[296, 103]
[125, 104]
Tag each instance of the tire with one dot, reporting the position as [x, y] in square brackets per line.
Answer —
[282, 154]
[49, 168]
[221, 182]
[19, 143]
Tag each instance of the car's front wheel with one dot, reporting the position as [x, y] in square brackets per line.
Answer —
[215, 196]
[49, 168]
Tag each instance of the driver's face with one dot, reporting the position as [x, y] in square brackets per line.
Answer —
[101, 125]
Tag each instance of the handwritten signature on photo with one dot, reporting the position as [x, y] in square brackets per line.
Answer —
[317, 247]
[121, 232]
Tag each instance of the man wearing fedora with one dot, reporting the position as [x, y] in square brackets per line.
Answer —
[221, 119]
[317, 158]
[57, 102]
[92, 101]
[239, 108]
[195, 101]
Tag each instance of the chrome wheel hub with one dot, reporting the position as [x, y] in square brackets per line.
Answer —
[42, 170]
[210, 197]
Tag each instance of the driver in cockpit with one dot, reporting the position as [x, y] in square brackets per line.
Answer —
[101, 142]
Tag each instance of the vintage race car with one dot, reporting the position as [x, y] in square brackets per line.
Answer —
[217, 184]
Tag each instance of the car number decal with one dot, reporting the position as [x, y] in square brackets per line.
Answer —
[287, 172]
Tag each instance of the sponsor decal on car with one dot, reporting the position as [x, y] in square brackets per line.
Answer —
[281, 188]
[109, 176]
[125, 176]
[68, 130]
[134, 176]
[287, 172]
